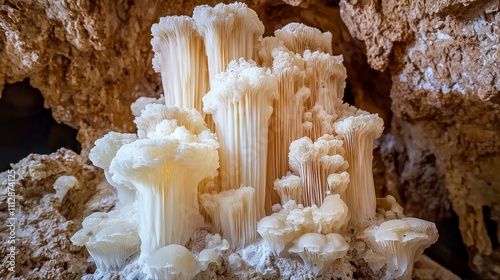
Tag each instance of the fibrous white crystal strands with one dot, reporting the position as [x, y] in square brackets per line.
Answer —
[240, 102]
[180, 58]
[358, 133]
[166, 168]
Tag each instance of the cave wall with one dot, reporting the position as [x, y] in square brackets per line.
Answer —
[438, 61]
[443, 57]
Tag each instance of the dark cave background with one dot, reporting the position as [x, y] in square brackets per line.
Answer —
[27, 127]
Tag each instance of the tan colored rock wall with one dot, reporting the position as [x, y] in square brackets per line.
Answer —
[444, 61]
[91, 59]
[44, 223]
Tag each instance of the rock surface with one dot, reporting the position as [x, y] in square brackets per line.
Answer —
[43, 221]
[91, 59]
[444, 62]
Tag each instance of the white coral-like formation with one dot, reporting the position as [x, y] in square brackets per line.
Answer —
[111, 238]
[234, 214]
[176, 262]
[284, 135]
[318, 250]
[314, 162]
[165, 167]
[401, 242]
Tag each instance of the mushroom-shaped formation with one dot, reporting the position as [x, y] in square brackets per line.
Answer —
[111, 238]
[299, 37]
[317, 250]
[301, 218]
[101, 156]
[314, 162]
[289, 188]
[234, 213]
[206, 257]
[230, 32]
[276, 232]
[286, 123]
[402, 242]
[180, 57]
[332, 215]
[358, 133]
[173, 262]
[240, 102]
[166, 171]
[338, 182]
[113, 245]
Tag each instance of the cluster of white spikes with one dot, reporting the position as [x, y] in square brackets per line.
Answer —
[247, 122]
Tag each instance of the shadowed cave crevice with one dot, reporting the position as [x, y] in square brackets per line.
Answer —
[491, 227]
[27, 127]
[449, 250]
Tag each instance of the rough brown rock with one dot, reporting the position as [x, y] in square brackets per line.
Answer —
[43, 222]
[91, 59]
[444, 61]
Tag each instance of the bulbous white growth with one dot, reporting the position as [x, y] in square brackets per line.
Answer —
[166, 171]
[332, 215]
[402, 242]
[289, 188]
[276, 232]
[63, 184]
[111, 238]
[172, 117]
[338, 182]
[180, 57]
[314, 162]
[176, 262]
[358, 133]
[101, 156]
[317, 250]
[230, 31]
[240, 102]
[390, 208]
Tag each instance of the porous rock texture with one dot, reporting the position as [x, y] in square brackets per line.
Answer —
[43, 222]
[444, 60]
[92, 59]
